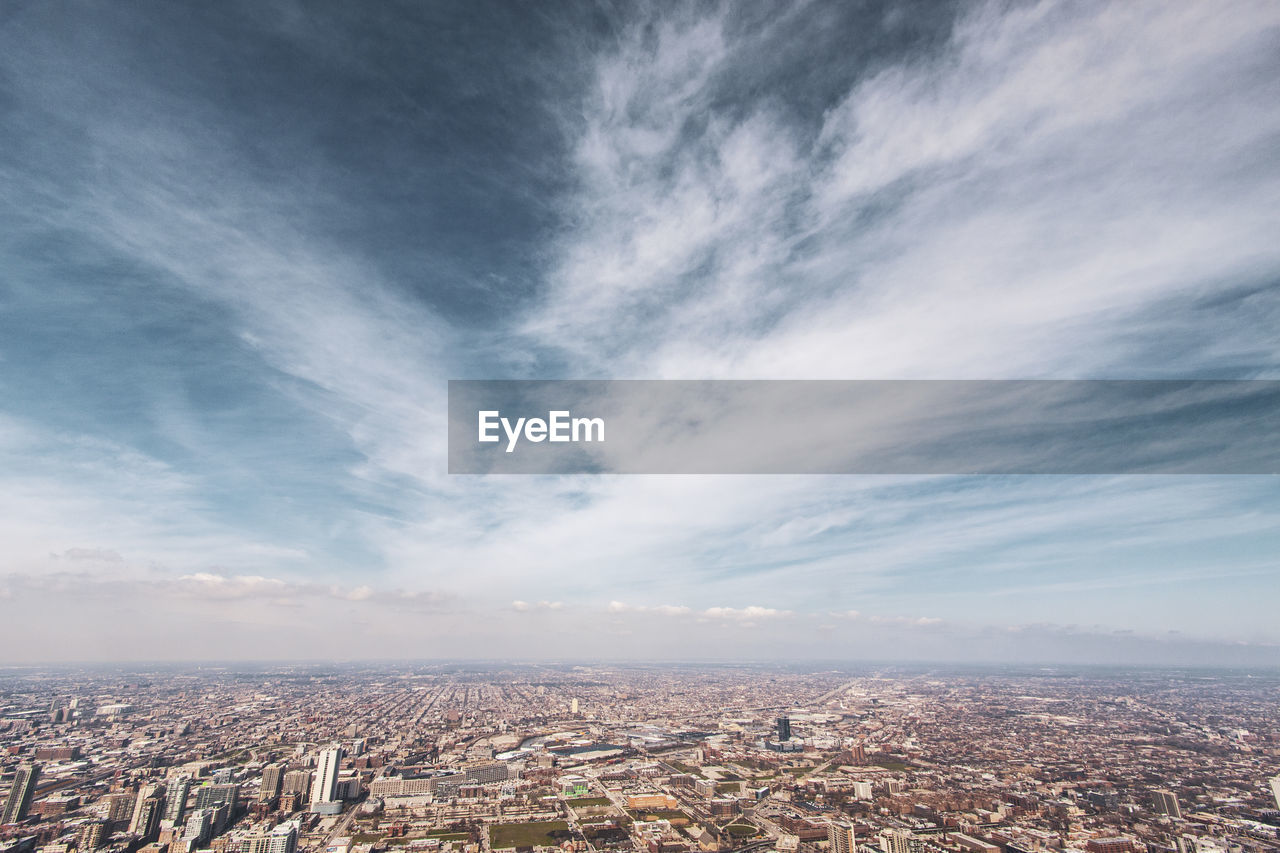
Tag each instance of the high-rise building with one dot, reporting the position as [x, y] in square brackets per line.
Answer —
[93, 834]
[284, 838]
[1275, 789]
[199, 827]
[902, 841]
[120, 808]
[272, 781]
[24, 788]
[176, 803]
[146, 793]
[1166, 802]
[208, 795]
[297, 782]
[147, 824]
[784, 728]
[325, 788]
[840, 837]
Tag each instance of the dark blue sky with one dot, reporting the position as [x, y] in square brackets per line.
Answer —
[244, 245]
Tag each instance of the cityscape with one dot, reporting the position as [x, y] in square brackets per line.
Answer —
[885, 398]
[652, 758]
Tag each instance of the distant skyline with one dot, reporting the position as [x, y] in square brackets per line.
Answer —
[244, 246]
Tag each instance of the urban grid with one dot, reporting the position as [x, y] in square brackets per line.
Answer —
[470, 758]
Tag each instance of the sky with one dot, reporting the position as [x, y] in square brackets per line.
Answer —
[245, 245]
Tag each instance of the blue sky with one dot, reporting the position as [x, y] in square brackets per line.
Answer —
[245, 245]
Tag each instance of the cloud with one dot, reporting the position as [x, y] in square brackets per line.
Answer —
[208, 585]
[526, 607]
[744, 614]
[255, 417]
[931, 221]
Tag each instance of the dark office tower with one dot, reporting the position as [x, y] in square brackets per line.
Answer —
[24, 786]
[784, 728]
[1166, 802]
[272, 779]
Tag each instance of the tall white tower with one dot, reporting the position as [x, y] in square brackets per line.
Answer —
[325, 788]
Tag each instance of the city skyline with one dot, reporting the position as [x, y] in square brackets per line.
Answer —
[245, 247]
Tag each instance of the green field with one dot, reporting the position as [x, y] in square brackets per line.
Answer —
[740, 830]
[890, 764]
[590, 801]
[546, 834]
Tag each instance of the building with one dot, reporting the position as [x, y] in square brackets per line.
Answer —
[92, 835]
[784, 729]
[57, 753]
[1109, 845]
[24, 788]
[145, 808]
[1166, 802]
[722, 807]
[652, 801]
[1275, 789]
[210, 795]
[803, 828]
[176, 803]
[861, 790]
[574, 786]
[325, 787]
[284, 838]
[199, 828]
[297, 782]
[902, 841]
[147, 817]
[272, 782]
[840, 837]
[55, 805]
[485, 774]
[281, 839]
[120, 808]
[968, 842]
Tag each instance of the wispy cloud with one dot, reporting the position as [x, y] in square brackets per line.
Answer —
[231, 303]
